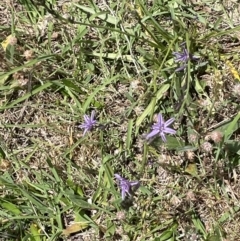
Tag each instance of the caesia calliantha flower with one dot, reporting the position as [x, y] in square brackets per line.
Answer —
[160, 128]
[126, 186]
[183, 57]
[89, 122]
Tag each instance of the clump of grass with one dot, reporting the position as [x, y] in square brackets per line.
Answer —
[64, 61]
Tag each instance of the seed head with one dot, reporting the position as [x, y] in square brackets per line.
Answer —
[207, 137]
[193, 138]
[136, 85]
[207, 147]
[190, 195]
[28, 54]
[12, 40]
[216, 136]
[55, 35]
[193, 237]
[120, 231]
[190, 155]
[236, 89]
[23, 82]
[120, 215]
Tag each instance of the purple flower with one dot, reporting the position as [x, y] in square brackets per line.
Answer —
[126, 186]
[183, 57]
[161, 128]
[89, 122]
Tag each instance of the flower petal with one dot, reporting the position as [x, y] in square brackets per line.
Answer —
[169, 130]
[152, 134]
[185, 53]
[81, 126]
[177, 55]
[123, 194]
[86, 118]
[169, 122]
[156, 127]
[163, 137]
[85, 131]
[118, 177]
[160, 119]
[181, 68]
[92, 115]
[134, 183]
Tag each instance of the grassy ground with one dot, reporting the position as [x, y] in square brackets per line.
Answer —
[64, 59]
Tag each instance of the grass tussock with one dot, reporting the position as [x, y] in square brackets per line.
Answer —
[65, 176]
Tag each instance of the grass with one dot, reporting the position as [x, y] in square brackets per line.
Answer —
[63, 59]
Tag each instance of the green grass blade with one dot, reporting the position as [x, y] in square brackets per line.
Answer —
[28, 95]
[102, 15]
[231, 127]
[152, 106]
[97, 90]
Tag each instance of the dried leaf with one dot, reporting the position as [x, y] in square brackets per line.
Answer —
[9, 40]
[75, 227]
[192, 169]
[233, 70]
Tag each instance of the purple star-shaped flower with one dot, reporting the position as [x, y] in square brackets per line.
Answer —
[183, 57]
[89, 122]
[126, 186]
[161, 128]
